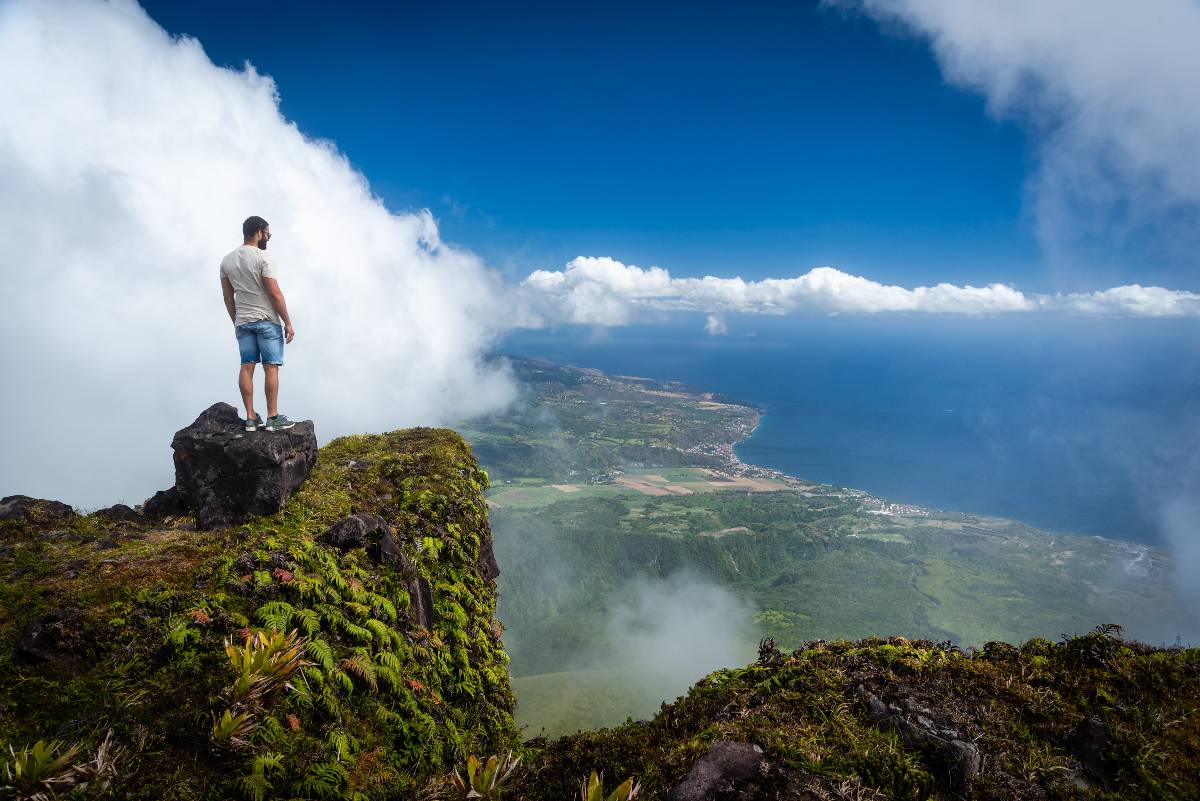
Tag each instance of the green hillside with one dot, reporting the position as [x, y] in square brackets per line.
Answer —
[815, 562]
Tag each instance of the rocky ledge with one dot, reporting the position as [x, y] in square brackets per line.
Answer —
[225, 475]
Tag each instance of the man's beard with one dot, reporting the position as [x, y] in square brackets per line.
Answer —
[262, 243]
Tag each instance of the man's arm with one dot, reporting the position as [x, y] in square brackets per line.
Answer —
[276, 296]
[227, 291]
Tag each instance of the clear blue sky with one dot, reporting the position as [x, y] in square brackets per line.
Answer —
[716, 138]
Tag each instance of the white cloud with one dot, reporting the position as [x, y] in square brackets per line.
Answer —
[129, 162]
[1109, 89]
[602, 291]
[715, 326]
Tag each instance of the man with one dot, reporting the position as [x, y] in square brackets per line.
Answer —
[256, 305]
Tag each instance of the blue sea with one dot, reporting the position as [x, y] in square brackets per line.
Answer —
[1071, 425]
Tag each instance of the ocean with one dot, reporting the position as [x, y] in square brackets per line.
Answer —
[1072, 425]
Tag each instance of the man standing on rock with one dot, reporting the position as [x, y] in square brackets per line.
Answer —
[256, 305]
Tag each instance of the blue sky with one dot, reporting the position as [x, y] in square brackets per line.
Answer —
[726, 139]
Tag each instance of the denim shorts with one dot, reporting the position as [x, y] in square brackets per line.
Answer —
[260, 341]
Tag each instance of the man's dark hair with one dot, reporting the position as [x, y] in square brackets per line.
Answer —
[252, 226]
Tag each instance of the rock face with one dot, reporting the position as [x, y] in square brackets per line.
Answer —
[724, 770]
[375, 534]
[226, 475]
[958, 759]
[53, 637]
[38, 511]
[118, 513]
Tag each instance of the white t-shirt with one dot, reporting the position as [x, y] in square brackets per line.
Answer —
[246, 268]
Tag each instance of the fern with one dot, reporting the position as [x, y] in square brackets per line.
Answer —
[323, 780]
[321, 653]
[341, 744]
[328, 702]
[308, 620]
[360, 665]
[301, 696]
[360, 610]
[379, 629]
[275, 615]
[357, 632]
[255, 784]
[381, 604]
[332, 616]
[388, 660]
[344, 680]
[393, 678]
[270, 731]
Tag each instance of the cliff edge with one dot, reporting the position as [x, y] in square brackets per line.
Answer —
[344, 646]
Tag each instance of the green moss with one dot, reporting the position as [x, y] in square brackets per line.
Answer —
[383, 706]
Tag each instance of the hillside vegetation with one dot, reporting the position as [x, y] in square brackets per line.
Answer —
[256, 661]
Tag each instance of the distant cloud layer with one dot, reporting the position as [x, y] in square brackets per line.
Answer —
[603, 291]
[129, 161]
[1109, 89]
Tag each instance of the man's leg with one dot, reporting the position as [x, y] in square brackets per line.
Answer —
[246, 385]
[272, 382]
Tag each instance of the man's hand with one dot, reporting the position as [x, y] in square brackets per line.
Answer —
[289, 333]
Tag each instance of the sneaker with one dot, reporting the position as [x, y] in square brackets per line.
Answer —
[279, 422]
[255, 424]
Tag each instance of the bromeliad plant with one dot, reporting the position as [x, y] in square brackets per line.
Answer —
[232, 730]
[42, 770]
[593, 790]
[266, 662]
[483, 781]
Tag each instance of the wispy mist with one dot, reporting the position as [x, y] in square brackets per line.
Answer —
[667, 634]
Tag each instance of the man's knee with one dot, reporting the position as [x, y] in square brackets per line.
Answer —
[248, 367]
[270, 368]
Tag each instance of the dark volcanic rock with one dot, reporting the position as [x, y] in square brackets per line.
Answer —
[227, 475]
[357, 531]
[957, 760]
[1089, 743]
[489, 568]
[375, 534]
[725, 771]
[53, 637]
[38, 511]
[118, 513]
[165, 503]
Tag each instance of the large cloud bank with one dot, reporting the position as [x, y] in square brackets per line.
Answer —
[603, 291]
[129, 161]
[1109, 89]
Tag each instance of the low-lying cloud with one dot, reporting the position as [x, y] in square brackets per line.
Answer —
[129, 162]
[603, 291]
[667, 634]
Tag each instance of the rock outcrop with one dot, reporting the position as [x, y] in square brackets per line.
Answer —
[375, 534]
[956, 759]
[725, 769]
[37, 511]
[225, 475]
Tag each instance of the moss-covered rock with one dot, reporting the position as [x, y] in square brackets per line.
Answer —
[136, 628]
[1090, 717]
